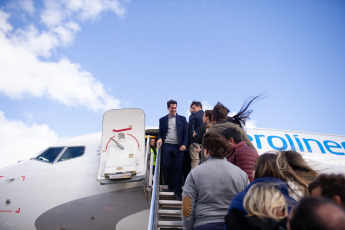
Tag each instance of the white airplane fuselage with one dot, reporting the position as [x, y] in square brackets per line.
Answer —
[324, 152]
[67, 195]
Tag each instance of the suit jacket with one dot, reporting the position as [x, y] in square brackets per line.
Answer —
[195, 121]
[181, 127]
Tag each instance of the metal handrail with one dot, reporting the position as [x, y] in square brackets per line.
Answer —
[146, 160]
[153, 218]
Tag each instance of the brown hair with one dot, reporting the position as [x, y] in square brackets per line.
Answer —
[266, 166]
[216, 145]
[301, 172]
[171, 102]
[208, 113]
[234, 133]
[196, 103]
[317, 213]
[331, 185]
[286, 166]
[220, 112]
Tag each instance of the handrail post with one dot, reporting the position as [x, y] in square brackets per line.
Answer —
[153, 218]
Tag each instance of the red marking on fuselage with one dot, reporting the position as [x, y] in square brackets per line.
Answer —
[106, 147]
[121, 130]
[18, 211]
[23, 177]
[134, 138]
[7, 211]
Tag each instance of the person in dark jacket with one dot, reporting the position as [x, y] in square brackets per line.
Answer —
[266, 208]
[207, 118]
[240, 153]
[195, 121]
[173, 137]
[237, 202]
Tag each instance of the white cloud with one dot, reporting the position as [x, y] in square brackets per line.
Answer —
[251, 124]
[24, 69]
[56, 12]
[4, 25]
[27, 5]
[21, 5]
[20, 141]
[205, 106]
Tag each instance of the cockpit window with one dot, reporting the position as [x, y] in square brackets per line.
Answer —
[72, 152]
[50, 154]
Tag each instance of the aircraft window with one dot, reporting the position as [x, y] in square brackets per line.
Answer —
[50, 154]
[72, 152]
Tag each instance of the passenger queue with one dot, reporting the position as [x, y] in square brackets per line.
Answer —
[227, 185]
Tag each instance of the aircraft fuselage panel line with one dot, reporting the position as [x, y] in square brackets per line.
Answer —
[95, 212]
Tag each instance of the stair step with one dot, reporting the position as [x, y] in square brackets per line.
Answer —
[170, 223]
[165, 187]
[170, 212]
[166, 193]
[170, 202]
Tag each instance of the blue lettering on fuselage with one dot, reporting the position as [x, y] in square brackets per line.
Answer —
[335, 145]
[270, 142]
[306, 142]
[287, 142]
[291, 142]
[258, 142]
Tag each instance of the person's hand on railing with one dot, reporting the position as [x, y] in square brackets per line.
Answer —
[159, 142]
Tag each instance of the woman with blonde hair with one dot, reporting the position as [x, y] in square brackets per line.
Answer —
[265, 200]
[287, 168]
[266, 207]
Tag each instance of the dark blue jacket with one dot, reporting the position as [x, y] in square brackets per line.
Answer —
[237, 202]
[181, 126]
[195, 121]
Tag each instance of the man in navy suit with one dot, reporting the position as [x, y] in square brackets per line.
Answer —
[173, 137]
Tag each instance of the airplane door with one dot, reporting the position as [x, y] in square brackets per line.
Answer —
[123, 145]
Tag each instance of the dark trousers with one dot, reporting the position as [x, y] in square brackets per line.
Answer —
[186, 165]
[172, 166]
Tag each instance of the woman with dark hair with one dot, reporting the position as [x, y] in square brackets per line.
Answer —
[210, 187]
[243, 115]
[222, 121]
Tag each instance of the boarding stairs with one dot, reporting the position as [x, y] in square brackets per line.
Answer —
[165, 211]
[169, 212]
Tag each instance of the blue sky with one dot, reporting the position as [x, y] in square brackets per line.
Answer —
[63, 63]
